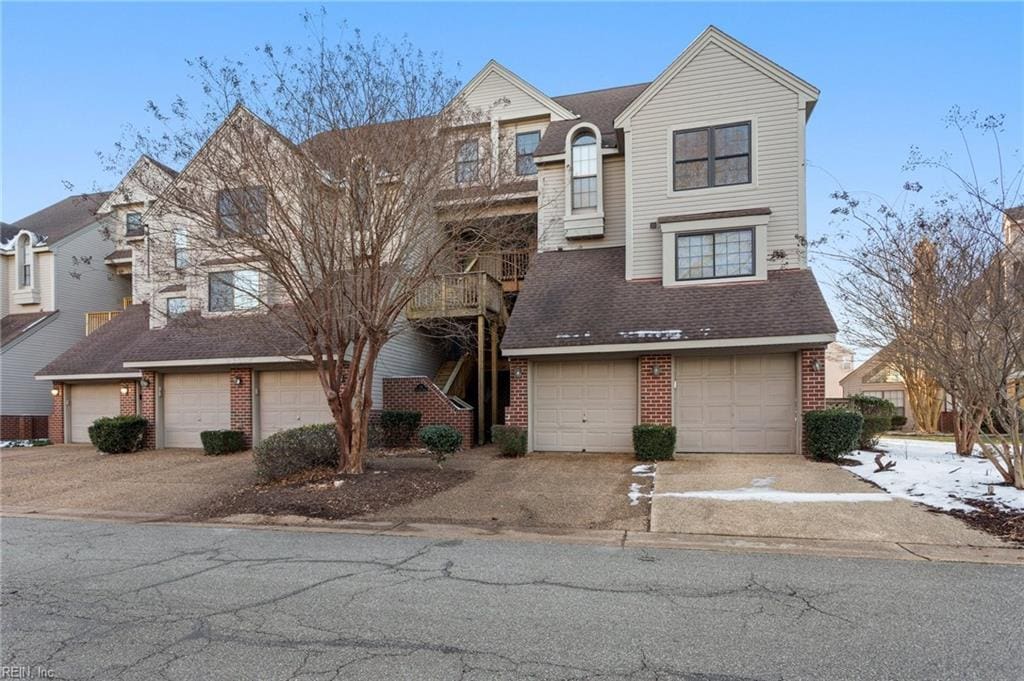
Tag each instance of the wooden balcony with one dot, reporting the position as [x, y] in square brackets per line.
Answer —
[457, 295]
[94, 320]
[508, 267]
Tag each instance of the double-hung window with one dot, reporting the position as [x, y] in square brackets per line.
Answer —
[242, 210]
[526, 144]
[584, 171]
[467, 162]
[711, 157]
[234, 290]
[176, 307]
[714, 255]
[133, 224]
[180, 249]
[25, 251]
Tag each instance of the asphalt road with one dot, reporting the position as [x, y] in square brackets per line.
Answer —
[110, 601]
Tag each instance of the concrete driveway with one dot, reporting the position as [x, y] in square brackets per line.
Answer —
[761, 495]
[78, 480]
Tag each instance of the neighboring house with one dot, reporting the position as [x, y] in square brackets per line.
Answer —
[838, 363]
[877, 378]
[666, 283]
[53, 274]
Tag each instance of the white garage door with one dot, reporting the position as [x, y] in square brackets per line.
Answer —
[194, 403]
[584, 405]
[745, 403]
[90, 402]
[289, 399]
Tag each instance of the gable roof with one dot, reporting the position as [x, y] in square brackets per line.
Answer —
[599, 107]
[558, 111]
[102, 351]
[14, 326]
[120, 192]
[579, 299]
[872, 363]
[62, 219]
[712, 35]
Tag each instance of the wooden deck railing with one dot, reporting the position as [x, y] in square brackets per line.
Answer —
[94, 320]
[508, 267]
[457, 295]
[125, 302]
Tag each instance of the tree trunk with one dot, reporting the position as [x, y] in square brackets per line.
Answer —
[359, 393]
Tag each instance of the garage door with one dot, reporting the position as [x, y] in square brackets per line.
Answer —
[289, 399]
[90, 402]
[745, 403]
[194, 403]
[584, 405]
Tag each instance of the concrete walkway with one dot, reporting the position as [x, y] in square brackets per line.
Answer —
[744, 496]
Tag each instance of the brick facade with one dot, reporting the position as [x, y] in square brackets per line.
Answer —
[812, 384]
[241, 403]
[24, 427]
[418, 393]
[518, 411]
[56, 424]
[656, 389]
[148, 407]
[129, 401]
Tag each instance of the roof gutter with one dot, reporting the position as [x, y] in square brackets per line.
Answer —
[806, 339]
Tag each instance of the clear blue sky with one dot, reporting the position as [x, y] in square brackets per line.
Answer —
[73, 74]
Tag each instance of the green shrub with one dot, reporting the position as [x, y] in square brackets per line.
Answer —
[441, 440]
[118, 434]
[898, 422]
[869, 405]
[511, 440]
[831, 433]
[295, 450]
[222, 441]
[398, 427]
[872, 429]
[654, 443]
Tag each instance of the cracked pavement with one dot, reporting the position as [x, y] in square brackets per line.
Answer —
[100, 600]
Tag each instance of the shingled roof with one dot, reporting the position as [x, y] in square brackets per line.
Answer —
[599, 107]
[103, 350]
[63, 218]
[14, 326]
[581, 298]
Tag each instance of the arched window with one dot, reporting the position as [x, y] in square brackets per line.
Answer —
[584, 170]
[24, 261]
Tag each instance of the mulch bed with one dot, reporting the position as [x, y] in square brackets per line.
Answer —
[314, 493]
[994, 519]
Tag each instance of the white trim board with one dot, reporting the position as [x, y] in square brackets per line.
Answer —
[646, 348]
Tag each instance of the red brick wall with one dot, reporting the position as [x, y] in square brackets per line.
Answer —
[812, 384]
[435, 407]
[241, 403]
[128, 401]
[656, 391]
[56, 425]
[518, 411]
[23, 427]
[148, 406]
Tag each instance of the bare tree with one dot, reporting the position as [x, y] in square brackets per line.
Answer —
[941, 285]
[346, 176]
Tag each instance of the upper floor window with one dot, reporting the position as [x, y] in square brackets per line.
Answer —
[711, 157]
[467, 162]
[180, 249]
[133, 224]
[25, 261]
[176, 307]
[526, 144]
[242, 209]
[584, 170]
[714, 255]
[234, 290]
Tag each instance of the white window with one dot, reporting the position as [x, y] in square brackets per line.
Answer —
[180, 248]
[713, 255]
[176, 307]
[133, 224]
[526, 144]
[242, 209]
[467, 162]
[711, 157]
[584, 170]
[235, 290]
[24, 261]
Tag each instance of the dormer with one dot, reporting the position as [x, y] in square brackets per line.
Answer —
[26, 270]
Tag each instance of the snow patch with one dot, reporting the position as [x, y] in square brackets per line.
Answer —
[663, 334]
[778, 496]
[23, 443]
[565, 335]
[932, 473]
[636, 493]
[645, 470]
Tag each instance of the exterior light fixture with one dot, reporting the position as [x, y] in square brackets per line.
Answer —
[55, 391]
[237, 380]
[656, 370]
[144, 383]
[124, 390]
[818, 365]
[518, 373]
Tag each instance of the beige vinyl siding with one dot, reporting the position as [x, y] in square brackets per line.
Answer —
[717, 88]
[500, 98]
[551, 207]
[410, 353]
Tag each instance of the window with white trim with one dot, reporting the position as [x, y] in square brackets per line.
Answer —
[242, 209]
[715, 156]
[25, 261]
[894, 396]
[234, 290]
[176, 307]
[180, 248]
[526, 144]
[584, 170]
[133, 224]
[714, 255]
[467, 162]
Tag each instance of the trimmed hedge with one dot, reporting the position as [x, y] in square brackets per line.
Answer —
[118, 434]
[898, 422]
[868, 405]
[222, 441]
[398, 427]
[872, 430]
[441, 440]
[654, 443]
[295, 450]
[831, 433]
[511, 440]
